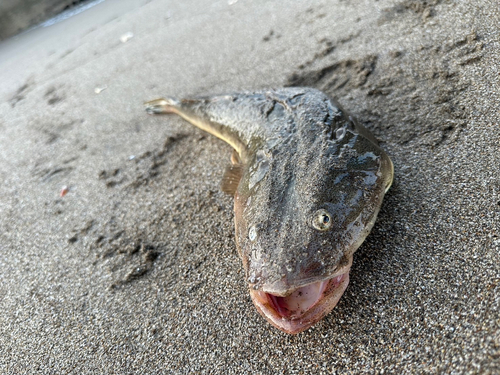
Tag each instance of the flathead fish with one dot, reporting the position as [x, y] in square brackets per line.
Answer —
[308, 182]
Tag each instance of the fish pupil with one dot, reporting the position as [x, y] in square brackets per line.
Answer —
[322, 220]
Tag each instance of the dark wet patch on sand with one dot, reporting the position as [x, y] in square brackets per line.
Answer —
[430, 75]
[346, 74]
[130, 245]
[21, 92]
[423, 8]
[142, 169]
[53, 96]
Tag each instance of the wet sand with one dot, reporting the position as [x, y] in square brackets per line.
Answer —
[135, 269]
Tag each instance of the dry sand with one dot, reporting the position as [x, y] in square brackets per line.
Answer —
[135, 269]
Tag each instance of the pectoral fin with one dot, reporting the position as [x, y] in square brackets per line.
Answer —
[231, 178]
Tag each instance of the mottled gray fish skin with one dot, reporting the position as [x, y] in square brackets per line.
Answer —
[308, 182]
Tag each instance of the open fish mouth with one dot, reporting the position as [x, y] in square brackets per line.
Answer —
[303, 307]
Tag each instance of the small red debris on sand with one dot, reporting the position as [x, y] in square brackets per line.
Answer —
[64, 191]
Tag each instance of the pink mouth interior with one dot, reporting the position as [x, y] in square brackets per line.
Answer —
[302, 299]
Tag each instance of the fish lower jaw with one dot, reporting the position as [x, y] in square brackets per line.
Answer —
[303, 307]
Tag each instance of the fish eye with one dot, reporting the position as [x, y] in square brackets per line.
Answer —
[322, 220]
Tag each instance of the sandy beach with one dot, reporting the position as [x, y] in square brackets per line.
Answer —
[117, 251]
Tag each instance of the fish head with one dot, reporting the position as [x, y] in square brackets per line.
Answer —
[299, 225]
